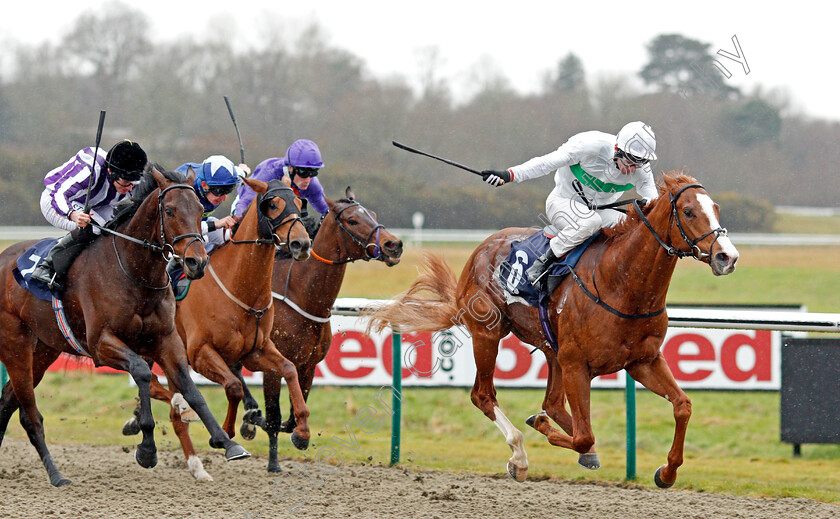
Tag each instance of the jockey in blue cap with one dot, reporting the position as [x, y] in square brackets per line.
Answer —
[215, 178]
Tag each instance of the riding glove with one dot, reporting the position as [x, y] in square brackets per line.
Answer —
[496, 178]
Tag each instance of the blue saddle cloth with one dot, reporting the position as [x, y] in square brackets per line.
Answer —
[26, 264]
[522, 255]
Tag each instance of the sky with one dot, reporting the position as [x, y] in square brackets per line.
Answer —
[788, 50]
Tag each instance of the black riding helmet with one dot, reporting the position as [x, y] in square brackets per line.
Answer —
[126, 160]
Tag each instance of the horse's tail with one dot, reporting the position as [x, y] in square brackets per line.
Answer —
[414, 312]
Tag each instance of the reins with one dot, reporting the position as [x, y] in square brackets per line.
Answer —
[167, 250]
[693, 252]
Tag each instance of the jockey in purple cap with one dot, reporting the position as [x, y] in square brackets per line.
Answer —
[298, 169]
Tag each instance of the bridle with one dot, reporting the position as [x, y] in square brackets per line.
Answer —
[267, 226]
[167, 249]
[694, 250]
[365, 244]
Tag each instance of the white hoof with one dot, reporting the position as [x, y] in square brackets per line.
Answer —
[197, 469]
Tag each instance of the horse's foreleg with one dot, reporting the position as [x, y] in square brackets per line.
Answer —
[657, 377]
[174, 363]
[483, 396]
[252, 417]
[274, 366]
[305, 379]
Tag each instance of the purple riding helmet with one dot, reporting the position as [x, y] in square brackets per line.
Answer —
[304, 153]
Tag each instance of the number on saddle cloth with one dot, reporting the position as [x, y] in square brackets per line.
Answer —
[26, 264]
[522, 255]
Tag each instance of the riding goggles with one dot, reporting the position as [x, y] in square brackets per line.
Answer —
[221, 190]
[306, 172]
[632, 159]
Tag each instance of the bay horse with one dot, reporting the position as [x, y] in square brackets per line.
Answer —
[119, 316]
[629, 267]
[302, 331]
[226, 318]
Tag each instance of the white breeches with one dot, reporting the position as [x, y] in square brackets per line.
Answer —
[574, 222]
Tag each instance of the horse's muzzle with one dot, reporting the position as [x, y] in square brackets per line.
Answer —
[194, 267]
[300, 249]
[392, 250]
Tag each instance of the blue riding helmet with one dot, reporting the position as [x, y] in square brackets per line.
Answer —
[220, 174]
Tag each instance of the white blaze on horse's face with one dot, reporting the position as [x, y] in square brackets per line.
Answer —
[723, 260]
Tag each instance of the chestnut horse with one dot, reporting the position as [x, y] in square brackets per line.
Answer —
[622, 327]
[119, 316]
[226, 318]
[302, 331]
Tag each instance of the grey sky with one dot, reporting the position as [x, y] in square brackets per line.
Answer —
[785, 48]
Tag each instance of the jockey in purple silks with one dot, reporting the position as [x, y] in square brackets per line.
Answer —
[297, 169]
[591, 169]
[113, 175]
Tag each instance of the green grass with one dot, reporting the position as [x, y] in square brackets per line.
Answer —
[732, 444]
[796, 224]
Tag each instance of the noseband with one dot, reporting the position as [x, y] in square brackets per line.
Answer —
[694, 250]
[168, 248]
[365, 244]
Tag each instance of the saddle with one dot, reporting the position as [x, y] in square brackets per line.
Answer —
[522, 255]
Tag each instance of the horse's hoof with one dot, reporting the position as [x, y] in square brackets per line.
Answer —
[254, 417]
[131, 427]
[60, 482]
[520, 474]
[274, 466]
[589, 460]
[287, 426]
[658, 479]
[236, 452]
[532, 420]
[300, 444]
[189, 416]
[248, 431]
[146, 460]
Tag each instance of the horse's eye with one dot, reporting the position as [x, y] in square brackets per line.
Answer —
[168, 212]
[688, 212]
[352, 221]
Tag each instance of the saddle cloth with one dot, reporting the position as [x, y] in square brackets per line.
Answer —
[522, 255]
[24, 266]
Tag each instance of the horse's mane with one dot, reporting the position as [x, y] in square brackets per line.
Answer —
[126, 210]
[679, 177]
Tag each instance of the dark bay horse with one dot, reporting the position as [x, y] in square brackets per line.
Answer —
[301, 328]
[226, 318]
[120, 308]
[622, 327]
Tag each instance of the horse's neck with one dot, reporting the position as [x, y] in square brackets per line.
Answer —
[143, 264]
[315, 273]
[637, 265]
[249, 265]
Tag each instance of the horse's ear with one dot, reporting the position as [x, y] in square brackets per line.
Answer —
[190, 175]
[159, 178]
[349, 194]
[330, 203]
[257, 185]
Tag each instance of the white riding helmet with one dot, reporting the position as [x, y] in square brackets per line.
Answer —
[637, 139]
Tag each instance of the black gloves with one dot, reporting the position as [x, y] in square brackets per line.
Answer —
[496, 178]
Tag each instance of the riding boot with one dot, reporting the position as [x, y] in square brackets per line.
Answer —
[45, 272]
[537, 270]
